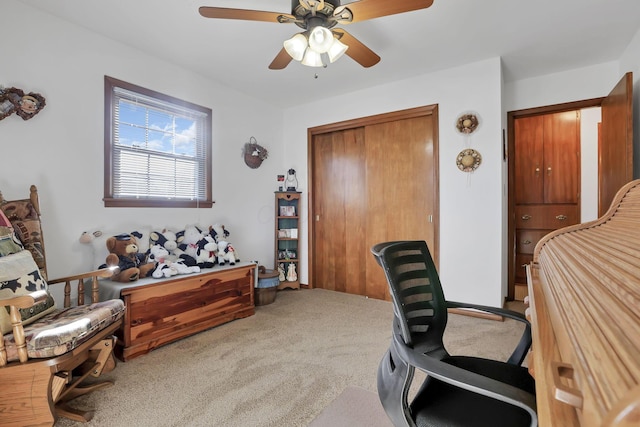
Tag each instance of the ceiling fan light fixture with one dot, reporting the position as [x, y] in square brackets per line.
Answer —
[295, 46]
[336, 50]
[320, 39]
[312, 59]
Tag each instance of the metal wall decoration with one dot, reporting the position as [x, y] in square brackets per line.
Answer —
[14, 100]
[254, 154]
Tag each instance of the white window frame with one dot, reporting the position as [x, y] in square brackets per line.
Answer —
[193, 190]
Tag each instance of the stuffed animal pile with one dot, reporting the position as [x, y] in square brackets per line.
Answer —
[169, 253]
[166, 267]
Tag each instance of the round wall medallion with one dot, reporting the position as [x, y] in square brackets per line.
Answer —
[468, 160]
[467, 123]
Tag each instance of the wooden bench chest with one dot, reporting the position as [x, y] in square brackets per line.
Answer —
[160, 311]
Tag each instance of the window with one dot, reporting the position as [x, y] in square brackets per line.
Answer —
[157, 149]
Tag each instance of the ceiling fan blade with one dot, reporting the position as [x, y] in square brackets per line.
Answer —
[244, 14]
[281, 60]
[357, 51]
[370, 9]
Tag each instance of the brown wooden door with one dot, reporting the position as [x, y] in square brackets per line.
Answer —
[340, 209]
[615, 167]
[616, 147]
[561, 169]
[529, 160]
[372, 181]
[547, 182]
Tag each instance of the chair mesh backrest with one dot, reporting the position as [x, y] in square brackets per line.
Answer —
[419, 304]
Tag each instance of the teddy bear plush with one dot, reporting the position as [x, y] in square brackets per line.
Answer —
[124, 254]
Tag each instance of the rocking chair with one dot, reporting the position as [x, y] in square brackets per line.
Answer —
[47, 353]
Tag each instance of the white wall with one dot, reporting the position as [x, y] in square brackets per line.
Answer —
[568, 86]
[61, 149]
[630, 61]
[470, 204]
[589, 119]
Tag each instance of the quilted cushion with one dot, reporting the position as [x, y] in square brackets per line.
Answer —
[19, 275]
[30, 234]
[26, 224]
[9, 243]
[66, 329]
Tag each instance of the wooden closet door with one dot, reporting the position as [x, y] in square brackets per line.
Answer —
[400, 183]
[373, 180]
[340, 211]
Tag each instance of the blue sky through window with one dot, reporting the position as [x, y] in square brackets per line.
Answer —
[160, 131]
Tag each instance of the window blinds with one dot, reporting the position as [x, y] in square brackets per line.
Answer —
[158, 149]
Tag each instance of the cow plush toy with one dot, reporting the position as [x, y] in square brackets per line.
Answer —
[226, 253]
[124, 254]
[167, 239]
[207, 252]
[188, 244]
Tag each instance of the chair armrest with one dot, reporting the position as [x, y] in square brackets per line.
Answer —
[25, 301]
[493, 310]
[91, 276]
[468, 380]
[521, 350]
[15, 304]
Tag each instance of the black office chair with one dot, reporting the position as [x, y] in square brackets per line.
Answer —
[458, 390]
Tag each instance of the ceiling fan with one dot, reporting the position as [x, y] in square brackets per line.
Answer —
[320, 40]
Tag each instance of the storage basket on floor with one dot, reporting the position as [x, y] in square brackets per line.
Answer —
[265, 292]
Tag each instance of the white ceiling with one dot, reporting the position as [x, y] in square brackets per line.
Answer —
[532, 37]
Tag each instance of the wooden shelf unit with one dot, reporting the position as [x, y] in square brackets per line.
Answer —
[287, 233]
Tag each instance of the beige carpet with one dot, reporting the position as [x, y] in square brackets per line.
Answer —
[281, 367]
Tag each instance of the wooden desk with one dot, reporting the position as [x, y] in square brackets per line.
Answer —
[584, 295]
